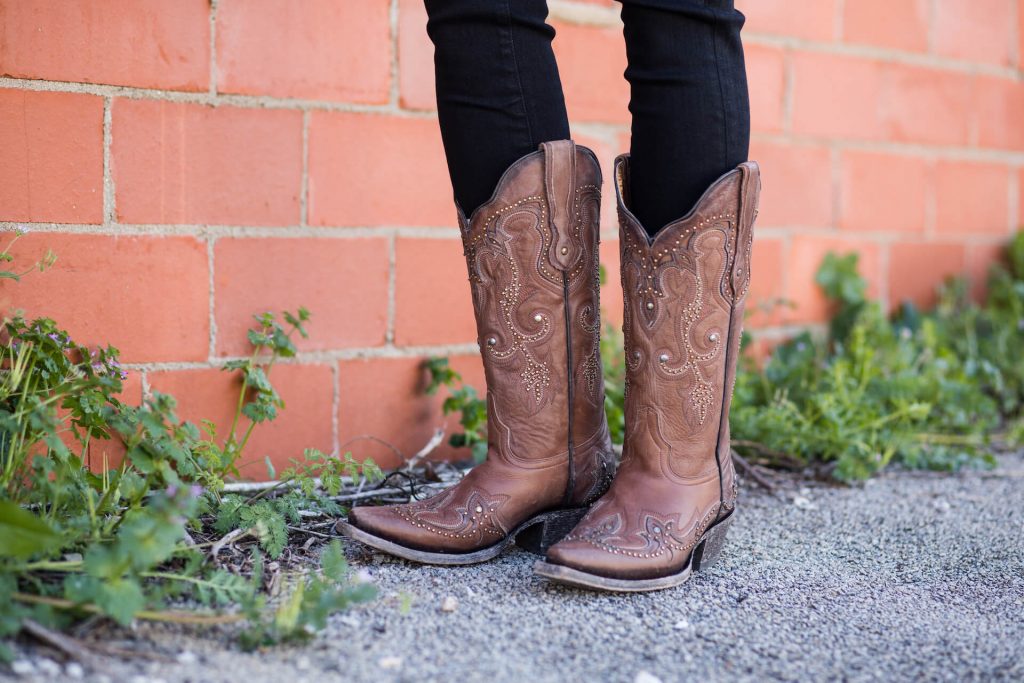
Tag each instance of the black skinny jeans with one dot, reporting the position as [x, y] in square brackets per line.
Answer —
[499, 95]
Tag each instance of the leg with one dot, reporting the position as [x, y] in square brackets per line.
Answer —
[498, 91]
[688, 98]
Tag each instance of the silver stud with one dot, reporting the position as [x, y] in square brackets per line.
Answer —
[663, 358]
[657, 529]
[479, 508]
[565, 250]
[538, 317]
[491, 341]
[713, 336]
[650, 305]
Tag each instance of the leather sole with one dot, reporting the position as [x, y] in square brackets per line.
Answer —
[535, 535]
[707, 550]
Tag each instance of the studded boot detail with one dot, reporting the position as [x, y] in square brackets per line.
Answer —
[674, 496]
[532, 255]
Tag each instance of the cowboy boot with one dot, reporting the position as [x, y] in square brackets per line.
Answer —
[532, 253]
[667, 512]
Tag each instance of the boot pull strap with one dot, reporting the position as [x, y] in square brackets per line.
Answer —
[560, 189]
[750, 190]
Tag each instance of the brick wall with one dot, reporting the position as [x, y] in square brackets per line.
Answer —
[195, 161]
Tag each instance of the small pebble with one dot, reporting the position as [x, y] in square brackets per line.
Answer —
[22, 667]
[48, 667]
[187, 657]
[390, 662]
[74, 670]
[449, 604]
[646, 677]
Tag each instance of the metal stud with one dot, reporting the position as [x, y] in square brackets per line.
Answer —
[479, 508]
[650, 305]
[565, 250]
[663, 358]
[538, 317]
[713, 336]
[491, 341]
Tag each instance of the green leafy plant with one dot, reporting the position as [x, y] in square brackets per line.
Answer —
[461, 399]
[119, 539]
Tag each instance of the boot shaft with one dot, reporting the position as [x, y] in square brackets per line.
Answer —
[684, 293]
[532, 257]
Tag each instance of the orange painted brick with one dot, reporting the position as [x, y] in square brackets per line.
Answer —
[919, 104]
[398, 411]
[765, 75]
[591, 61]
[52, 157]
[975, 30]
[836, 95]
[971, 198]
[605, 154]
[315, 49]
[813, 20]
[980, 259]
[102, 454]
[343, 283]
[767, 283]
[797, 185]
[611, 290]
[432, 296]
[415, 57]
[369, 169]
[121, 42]
[806, 254]
[883, 192]
[1020, 200]
[147, 296]
[188, 163]
[899, 24]
[916, 269]
[304, 422]
[998, 111]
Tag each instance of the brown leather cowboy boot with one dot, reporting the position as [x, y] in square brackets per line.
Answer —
[668, 509]
[533, 269]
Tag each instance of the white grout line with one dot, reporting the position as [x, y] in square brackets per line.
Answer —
[213, 48]
[304, 182]
[210, 251]
[109, 210]
[336, 407]
[1014, 201]
[789, 79]
[394, 89]
[389, 335]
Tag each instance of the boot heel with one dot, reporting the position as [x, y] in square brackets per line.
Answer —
[545, 530]
[711, 544]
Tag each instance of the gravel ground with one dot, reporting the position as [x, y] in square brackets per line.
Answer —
[914, 576]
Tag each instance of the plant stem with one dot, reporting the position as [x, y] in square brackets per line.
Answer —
[171, 616]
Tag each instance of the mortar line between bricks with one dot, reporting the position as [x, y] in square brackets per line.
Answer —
[932, 14]
[213, 47]
[931, 198]
[788, 80]
[837, 20]
[212, 301]
[389, 329]
[394, 87]
[884, 262]
[1013, 200]
[336, 407]
[304, 175]
[609, 18]
[205, 98]
[835, 162]
[450, 234]
[109, 210]
[320, 357]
